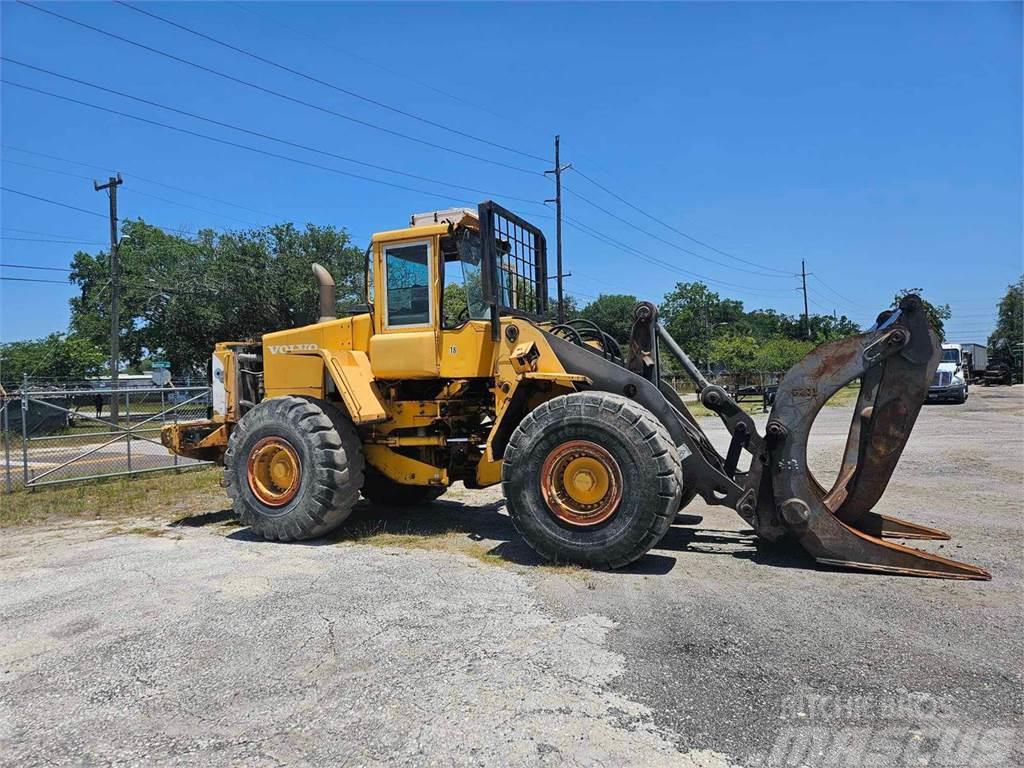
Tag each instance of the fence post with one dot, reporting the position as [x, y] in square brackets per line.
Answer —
[24, 429]
[163, 407]
[7, 446]
[128, 434]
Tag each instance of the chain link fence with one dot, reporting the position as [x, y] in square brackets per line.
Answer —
[53, 436]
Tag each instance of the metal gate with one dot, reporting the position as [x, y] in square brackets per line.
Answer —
[62, 436]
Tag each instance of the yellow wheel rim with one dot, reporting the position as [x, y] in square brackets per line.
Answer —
[581, 483]
[274, 471]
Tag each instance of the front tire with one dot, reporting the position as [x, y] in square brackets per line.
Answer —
[293, 468]
[592, 478]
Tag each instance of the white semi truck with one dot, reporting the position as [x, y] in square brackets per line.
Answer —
[961, 364]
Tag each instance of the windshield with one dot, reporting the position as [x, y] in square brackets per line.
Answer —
[471, 303]
[951, 355]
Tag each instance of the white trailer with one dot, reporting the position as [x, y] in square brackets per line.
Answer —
[975, 360]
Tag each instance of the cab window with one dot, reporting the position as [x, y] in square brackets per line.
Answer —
[407, 284]
[463, 290]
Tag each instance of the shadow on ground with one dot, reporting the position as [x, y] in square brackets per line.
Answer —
[454, 525]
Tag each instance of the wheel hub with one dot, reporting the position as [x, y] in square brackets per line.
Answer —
[581, 483]
[274, 471]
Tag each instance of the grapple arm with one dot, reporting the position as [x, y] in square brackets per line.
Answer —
[778, 495]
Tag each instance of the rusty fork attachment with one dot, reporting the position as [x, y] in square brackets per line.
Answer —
[778, 495]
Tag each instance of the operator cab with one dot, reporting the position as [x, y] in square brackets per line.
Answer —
[419, 291]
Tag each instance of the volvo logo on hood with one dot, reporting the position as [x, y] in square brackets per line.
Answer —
[284, 349]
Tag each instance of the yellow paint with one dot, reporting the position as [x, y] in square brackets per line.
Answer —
[359, 363]
[404, 355]
[586, 480]
[467, 352]
[404, 469]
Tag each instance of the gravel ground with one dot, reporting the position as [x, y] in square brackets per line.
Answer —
[435, 637]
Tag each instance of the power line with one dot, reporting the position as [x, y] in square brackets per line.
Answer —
[669, 243]
[69, 238]
[93, 213]
[674, 229]
[404, 77]
[871, 313]
[825, 285]
[137, 177]
[134, 191]
[34, 280]
[52, 202]
[278, 94]
[259, 134]
[328, 84]
[229, 143]
[608, 240]
[47, 240]
[30, 266]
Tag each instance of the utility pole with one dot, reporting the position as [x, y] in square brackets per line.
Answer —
[807, 316]
[111, 186]
[557, 170]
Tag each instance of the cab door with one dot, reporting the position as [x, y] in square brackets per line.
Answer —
[405, 342]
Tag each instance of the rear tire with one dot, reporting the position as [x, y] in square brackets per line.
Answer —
[293, 468]
[609, 430]
[383, 491]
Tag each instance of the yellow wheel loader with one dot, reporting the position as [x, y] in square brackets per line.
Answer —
[596, 454]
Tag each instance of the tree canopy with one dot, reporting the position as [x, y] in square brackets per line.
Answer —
[59, 356]
[1009, 332]
[937, 313]
[612, 313]
[181, 295]
[716, 331]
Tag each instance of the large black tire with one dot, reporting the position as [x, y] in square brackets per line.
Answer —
[330, 459]
[383, 491]
[647, 460]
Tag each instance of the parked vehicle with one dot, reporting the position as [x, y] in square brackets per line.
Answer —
[975, 359]
[950, 381]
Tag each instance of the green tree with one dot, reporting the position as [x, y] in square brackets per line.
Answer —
[937, 313]
[691, 312]
[180, 295]
[779, 354]
[57, 356]
[738, 353]
[1009, 332]
[454, 301]
[612, 313]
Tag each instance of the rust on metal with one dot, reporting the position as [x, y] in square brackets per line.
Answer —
[581, 483]
[274, 471]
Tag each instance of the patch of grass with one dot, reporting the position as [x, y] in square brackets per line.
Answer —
[165, 496]
[142, 530]
[451, 540]
[846, 396]
[441, 541]
[700, 412]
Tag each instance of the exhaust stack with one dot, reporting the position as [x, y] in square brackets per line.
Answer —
[328, 295]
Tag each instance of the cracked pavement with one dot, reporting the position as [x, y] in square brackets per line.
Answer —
[200, 645]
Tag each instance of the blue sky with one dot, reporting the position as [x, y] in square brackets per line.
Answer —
[879, 141]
